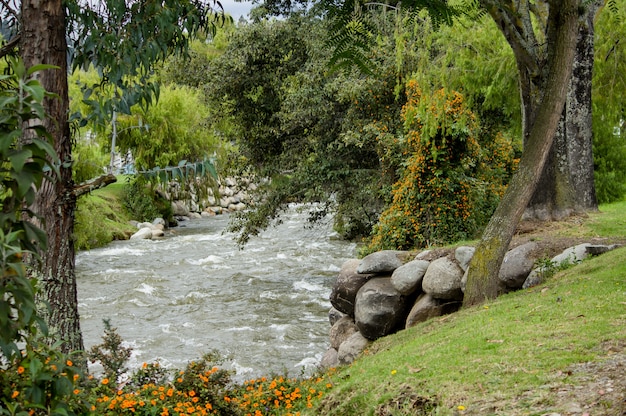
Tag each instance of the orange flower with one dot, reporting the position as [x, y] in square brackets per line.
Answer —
[15, 394]
[20, 369]
[69, 363]
[105, 381]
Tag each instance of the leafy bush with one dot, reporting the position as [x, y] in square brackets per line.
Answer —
[143, 203]
[450, 183]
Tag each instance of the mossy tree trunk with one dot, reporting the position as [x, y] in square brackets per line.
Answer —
[567, 183]
[552, 75]
[43, 41]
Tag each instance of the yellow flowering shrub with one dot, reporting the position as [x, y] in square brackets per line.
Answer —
[451, 181]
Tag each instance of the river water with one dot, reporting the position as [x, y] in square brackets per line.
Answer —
[264, 308]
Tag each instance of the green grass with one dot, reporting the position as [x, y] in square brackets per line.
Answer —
[506, 357]
[101, 218]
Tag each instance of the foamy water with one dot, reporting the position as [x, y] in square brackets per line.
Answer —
[265, 308]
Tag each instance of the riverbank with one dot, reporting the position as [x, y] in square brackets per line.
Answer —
[101, 218]
[556, 349]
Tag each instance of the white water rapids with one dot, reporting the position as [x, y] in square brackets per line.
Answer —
[264, 308]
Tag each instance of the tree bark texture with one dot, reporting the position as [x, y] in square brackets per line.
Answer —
[561, 31]
[43, 42]
[567, 183]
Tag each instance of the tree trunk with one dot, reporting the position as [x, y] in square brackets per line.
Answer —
[567, 183]
[43, 41]
[562, 27]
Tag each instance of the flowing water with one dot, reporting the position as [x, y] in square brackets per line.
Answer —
[265, 308]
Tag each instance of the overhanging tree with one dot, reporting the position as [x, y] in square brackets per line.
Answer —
[123, 40]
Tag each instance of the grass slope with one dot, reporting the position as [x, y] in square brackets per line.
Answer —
[556, 348]
[101, 218]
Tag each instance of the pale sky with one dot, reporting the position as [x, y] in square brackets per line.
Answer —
[236, 9]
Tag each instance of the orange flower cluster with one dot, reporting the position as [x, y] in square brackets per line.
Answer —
[260, 397]
[450, 181]
[162, 400]
[280, 396]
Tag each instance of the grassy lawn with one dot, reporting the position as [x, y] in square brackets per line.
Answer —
[101, 218]
[559, 347]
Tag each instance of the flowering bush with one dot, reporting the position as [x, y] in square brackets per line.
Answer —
[450, 183]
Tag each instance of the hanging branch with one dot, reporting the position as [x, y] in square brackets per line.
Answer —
[93, 184]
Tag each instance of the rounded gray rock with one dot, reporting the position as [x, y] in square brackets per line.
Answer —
[351, 348]
[346, 287]
[443, 279]
[517, 264]
[341, 331]
[379, 308]
[407, 279]
[425, 308]
[385, 261]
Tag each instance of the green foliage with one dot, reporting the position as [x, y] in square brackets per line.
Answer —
[609, 92]
[100, 219]
[111, 353]
[143, 203]
[23, 169]
[119, 39]
[88, 160]
[450, 184]
[34, 377]
[174, 129]
[248, 78]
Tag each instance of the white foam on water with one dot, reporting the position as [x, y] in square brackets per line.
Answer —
[210, 259]
[308, 286]
[308, 362]
[146, 288]
[117, 251]
[240, 328]
[139, 303]
[269, 295]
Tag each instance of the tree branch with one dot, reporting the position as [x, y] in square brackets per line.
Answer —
[9, 46]
[93, 184]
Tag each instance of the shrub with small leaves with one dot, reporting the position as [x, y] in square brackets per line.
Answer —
[450, 183]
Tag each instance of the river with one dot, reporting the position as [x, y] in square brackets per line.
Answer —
[264, 308]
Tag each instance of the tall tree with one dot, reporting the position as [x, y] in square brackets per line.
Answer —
[43, 40]
[541, 120]
[124, 40]
[567, 183]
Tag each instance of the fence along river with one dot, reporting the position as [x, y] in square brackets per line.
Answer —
[264, 308]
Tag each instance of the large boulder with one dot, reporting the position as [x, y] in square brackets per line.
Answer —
[179, 208]
[385, 261]
[341, 331]
[425, 307]
[572, 255]
[351, 348]
[516, 265]
[443, 279]
[347, 286]
[407, 279]
[379, 308]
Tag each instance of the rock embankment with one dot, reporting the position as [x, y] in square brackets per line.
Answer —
[392, 290]
[194, 201]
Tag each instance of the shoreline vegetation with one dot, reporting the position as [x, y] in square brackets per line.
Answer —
[558, 348]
